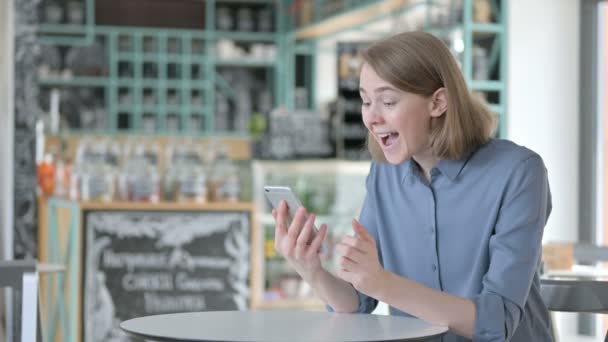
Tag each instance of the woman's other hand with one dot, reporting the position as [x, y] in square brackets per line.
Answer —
[359, 263]
[298, 243]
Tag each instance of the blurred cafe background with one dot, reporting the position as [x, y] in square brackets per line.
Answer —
[136, 137]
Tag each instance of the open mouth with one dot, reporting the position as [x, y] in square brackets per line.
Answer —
[388, 138]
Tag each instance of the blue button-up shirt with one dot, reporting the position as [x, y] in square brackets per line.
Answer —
[473, 231]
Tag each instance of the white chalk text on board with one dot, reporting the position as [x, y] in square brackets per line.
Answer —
[145, 263]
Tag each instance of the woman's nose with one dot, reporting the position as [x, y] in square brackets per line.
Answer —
[374, 116]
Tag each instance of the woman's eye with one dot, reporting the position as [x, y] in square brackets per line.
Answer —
[365, 104]
[389, 104]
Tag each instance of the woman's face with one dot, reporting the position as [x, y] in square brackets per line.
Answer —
[399, 121]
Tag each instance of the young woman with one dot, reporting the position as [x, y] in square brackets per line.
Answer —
[450, 230]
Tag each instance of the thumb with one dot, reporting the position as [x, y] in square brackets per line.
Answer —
[361, 231]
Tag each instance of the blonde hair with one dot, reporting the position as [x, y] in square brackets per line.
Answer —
[420, 63]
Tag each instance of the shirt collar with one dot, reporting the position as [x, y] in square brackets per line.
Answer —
[452, 168]
[409, 166]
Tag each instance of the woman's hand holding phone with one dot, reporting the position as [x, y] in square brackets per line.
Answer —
[298, 242]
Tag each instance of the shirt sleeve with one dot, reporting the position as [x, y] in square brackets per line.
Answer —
[515, 249]
[367, 218]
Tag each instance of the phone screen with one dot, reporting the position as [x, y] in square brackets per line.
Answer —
[276, 194]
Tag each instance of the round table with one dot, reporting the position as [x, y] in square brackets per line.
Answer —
[249, 326]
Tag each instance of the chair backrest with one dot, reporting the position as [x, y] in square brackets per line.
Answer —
[22, 275]
[570, 292]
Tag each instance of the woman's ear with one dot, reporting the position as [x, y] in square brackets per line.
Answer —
[439, 102]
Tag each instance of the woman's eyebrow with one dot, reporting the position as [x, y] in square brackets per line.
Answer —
[378, 90]
[384, 88]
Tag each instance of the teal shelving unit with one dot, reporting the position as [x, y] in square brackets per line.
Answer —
[474, 32]
[159, 82]
[163, 78]
[153, 76]
[491, 34]
[163, 81]
[71, 34]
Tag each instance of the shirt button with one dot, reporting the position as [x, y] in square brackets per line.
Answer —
[434, 267]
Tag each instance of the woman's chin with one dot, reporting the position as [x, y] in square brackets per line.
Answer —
[395, 158]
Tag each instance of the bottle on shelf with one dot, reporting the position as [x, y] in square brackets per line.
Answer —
[75, 12]
[244, 19]
[53, 12]
[76, 180]
[171, 170]
[46, 175]
[224, 181]
[172, 124]
[96, 183]
[188, 174]
[140, 176]
[62, 172]
[264, 23]
[224, 19]
[112, 166]
[49, 64]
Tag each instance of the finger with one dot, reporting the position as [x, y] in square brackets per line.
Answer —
[361, 231]
[297, 223]
[279, 235]
[302, 242]
[274, 213]
[307, 231]
[351, 253]
[315, 245]
[283, 208]
[281, 216]
[347, 264]
[355, 242]
[280, 226]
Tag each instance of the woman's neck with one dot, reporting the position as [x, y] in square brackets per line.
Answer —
[427, 162]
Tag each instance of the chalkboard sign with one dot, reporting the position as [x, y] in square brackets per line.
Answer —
[141, 263]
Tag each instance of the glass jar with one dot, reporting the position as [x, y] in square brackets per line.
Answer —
[186, 179]
[224, 182]
[140, 178]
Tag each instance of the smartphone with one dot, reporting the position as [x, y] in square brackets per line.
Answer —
[276, 194]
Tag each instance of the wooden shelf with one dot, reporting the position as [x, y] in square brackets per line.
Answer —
[145, 206]
[168, 206]
[238, 148]
[350, 19]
